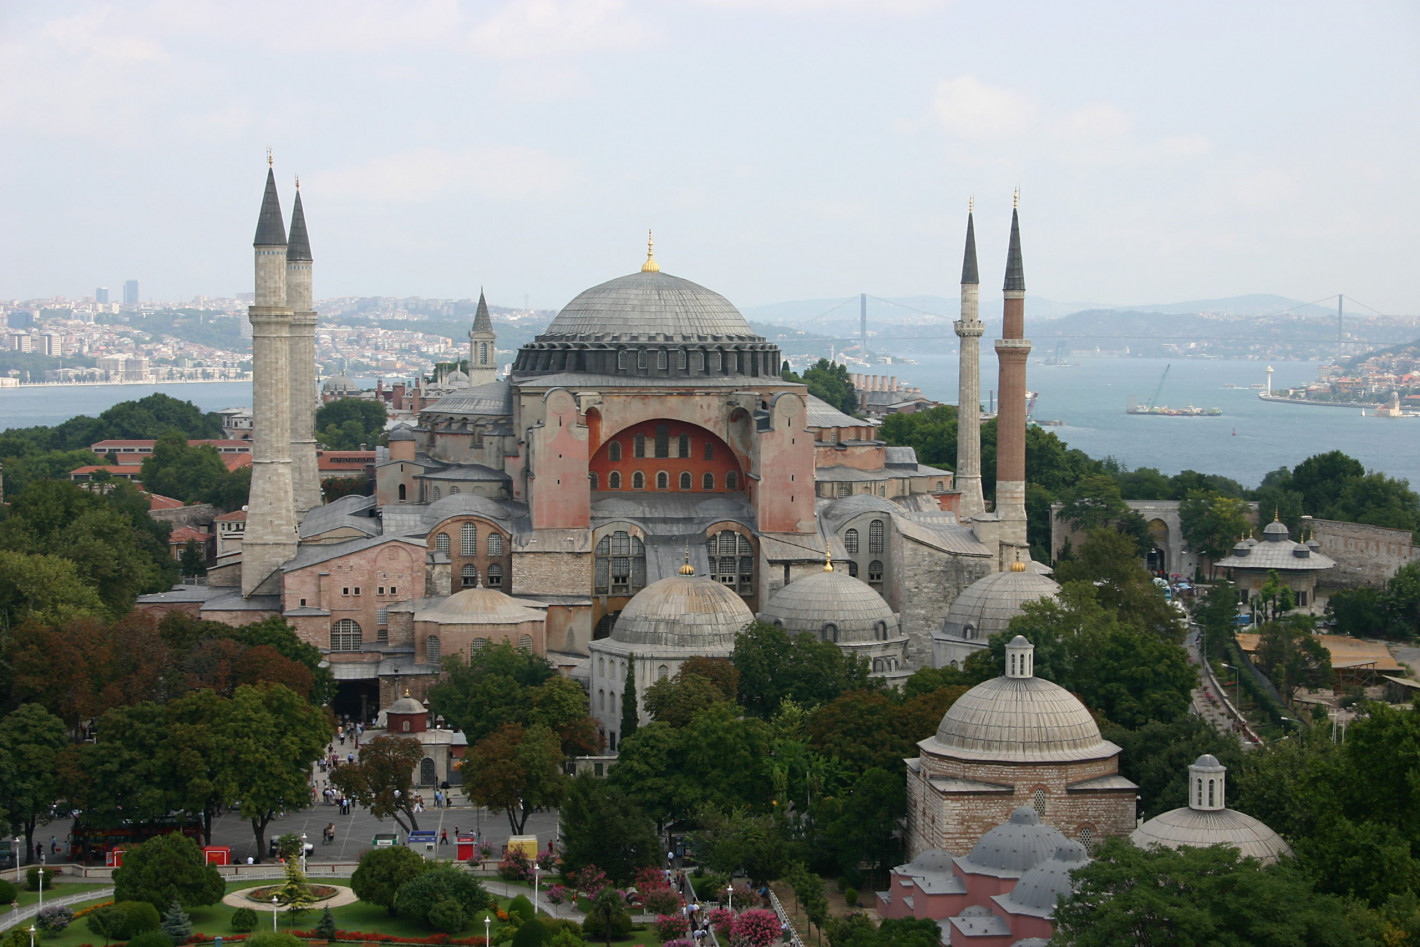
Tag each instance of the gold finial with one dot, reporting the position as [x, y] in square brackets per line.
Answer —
[268, 156]
[1018, 565]
[1276, 514]
[686, 568]
[650, 266]
[298, 182]
[406, 692]
[1016, 198]
[971, 204]
[828, 559]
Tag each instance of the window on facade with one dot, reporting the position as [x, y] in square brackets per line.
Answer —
[830, 632]
[382, 635]
[843, 489]
[731, 561]
[525, 644]
[663, 480]
[875, 537]
[707, 482]
[382, 616]
[709, 450]
[495, 544]
[604, 626]
[685, 481]
[850, 542]
[593, 479]
[853, 568]
[432, 648]
[732, 481]
[880, 631]
[663, 441]
[613, 480]
[683, 445]
[623, 360]
[714, 363]
[345, 635]
[469, 576]
[638, 481]
[641, 361]
[468, 539]
[613, 451]
[662, 360]
[441, 542]
[477, 645]
[620, 564]
[402, 492]
[662, 672]
[453, 491]
[875, 572]
[495, 576]
[680, 360]
[638, 446]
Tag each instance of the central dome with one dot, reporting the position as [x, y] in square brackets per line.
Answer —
[649, 307]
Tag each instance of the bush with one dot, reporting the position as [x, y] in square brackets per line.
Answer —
[54, 919]
[107, 922]
[274, 939]
[244, 920]
[448, 916]
[168, 868]
[325, 929]
[383, 871]
[8, 894]
[151, 939]
[515, 866]
[532, 933]
[756, 928]
[850, 897]
[139, 916]
[176, 924]
[416, 898]
[522, 907]
[32, 877]
[671, 926]
[660, 901]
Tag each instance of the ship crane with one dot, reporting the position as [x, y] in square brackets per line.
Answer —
[1160, 390]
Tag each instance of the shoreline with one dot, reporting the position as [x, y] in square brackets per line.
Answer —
[125, 384]
[1316, 403]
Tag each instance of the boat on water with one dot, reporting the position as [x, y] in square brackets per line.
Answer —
[1187, 411]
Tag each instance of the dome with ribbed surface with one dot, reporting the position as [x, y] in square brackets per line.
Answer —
[691, 612]
[479, 606]
[832, 598]
[1046, 883]
[1015, 846]
[649, 306]
[987, 605]
[1196, 828]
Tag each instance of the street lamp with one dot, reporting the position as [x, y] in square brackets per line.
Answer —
[487, 923]
[303, 851]
[274, 905]
[537, 877]
[41, 885]
[1237, 686]
[32, 934]
[17, 859]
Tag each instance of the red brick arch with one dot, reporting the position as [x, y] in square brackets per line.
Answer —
[721, 464]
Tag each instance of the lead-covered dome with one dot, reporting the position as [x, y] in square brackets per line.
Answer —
[832, 600]
[1016, 846]
[649, 306]
[1206, 820]
[987, 605]
[1041, 888]
[683, 611]
[1020, 718]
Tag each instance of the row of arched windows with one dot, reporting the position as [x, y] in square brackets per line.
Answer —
[731, 561]
[468, 542]
[663, 480]
[493, 577]
[619, 564]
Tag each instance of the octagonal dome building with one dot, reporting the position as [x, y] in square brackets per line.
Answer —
[1206, 820]
[1012, 741]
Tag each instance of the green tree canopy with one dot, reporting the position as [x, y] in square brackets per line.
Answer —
[382, 871]
[516, 769]
[601, 826]
[166, 869]
[31, 739]
[831, 382]
[383, 779]
[773, 667]
[495, 686]
[347, 423]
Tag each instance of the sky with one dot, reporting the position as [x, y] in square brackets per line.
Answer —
[779, 149]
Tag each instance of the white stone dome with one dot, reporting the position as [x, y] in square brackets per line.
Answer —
[987, 605]
[832, 598]
[1205, 821]
[1020, 718]
[683, 611]
[649, 306]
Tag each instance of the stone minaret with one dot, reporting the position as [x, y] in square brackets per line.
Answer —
[305, 478]
[969, 329]
[482, 357]
[1012, 350]
[271, 515]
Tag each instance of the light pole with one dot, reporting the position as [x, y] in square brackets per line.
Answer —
[41, 886]
[487, 923]
[303, 852]
[32, 934]
[274, 905]
[17, 859]
[537, 878]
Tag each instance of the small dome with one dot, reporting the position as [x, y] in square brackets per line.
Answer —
[1275, 532]
[987, 605]
[1040, 888]
[649, 306]
[930, 862]
[689, 612]
[402, 432]
[339, 383]
[1197, 828]
[1018, 845]
[835, 598]
[407, 705]
[479, 606]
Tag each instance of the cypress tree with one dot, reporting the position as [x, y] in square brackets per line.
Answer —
[630, 713]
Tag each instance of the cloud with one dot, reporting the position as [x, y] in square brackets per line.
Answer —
[966, 107]
[528, 83]
[500, 172]
[875, 7]
[540, 28]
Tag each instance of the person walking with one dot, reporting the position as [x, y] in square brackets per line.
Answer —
[444, 837]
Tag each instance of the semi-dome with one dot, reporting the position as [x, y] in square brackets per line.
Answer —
[1207, 821]
[683, 611]
[822, 599]
[987, 605]
[1016, 846]
[1046, 883]
[1020, 718]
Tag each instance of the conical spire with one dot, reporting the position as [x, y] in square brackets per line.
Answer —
[299, 248]
[481, 322]
[968, 263]
[270, 229]
[1015, 270]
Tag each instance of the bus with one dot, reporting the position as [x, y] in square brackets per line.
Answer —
[94, 843]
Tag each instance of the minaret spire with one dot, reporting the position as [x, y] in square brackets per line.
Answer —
[969, 330]
[305, 473]
[482, 352]
[1012, 351]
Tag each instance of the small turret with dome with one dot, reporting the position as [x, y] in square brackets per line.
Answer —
[407, 715]
[1206, 820]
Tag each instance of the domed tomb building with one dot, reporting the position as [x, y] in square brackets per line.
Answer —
[1016, 740]
[666, 623]
[1206, 820]
[986, 607]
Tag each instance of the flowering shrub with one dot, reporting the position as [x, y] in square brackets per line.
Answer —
[651, 879]
[722, 919]
[680, 942]
[556, 894]
[370, 937]
[660, 901]
[669, 926]
[755, 928]
[515, 866]
[85, 912]
[54, 919]
[547, 859]
[589, 882]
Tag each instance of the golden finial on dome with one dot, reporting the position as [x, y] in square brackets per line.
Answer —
[828, 560]
[1016, 198]
[269, 161]
[1018, 566]
[298, 182]
[686, 568]
[406, 692]
[650, 266]
[1276, 514]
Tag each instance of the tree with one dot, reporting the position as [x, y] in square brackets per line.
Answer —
[773, 667]
[1321, 478]
[1212, 523]
[45, 588]
[1123, 587]
[516, 769]
[831, 382]
[866, 831]
[1195, 896]
[349, 423]
[167, 869]
[176, 923]
[276, 633]
[30, 742]
[808, 893]
[492, 688]
[675, 700]
[1093, 502]
[383, 779]
[1276, 596]
[189, 472]
[382, 871]
[273, 737]
[1291, 657]
[630, 714]
[1156, 756]
[601, 826]
[737, 840]
[607, 915]
[194, 558]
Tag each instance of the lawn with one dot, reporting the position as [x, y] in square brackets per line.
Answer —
[51, 892]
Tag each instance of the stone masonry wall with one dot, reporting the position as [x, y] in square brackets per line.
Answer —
[927, 582]
[1365, 555]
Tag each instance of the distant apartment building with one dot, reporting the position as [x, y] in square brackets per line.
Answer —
[123, 367]
[20, 318]
[130, 293]
[101, 295]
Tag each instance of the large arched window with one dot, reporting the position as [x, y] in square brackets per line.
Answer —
[525, 644]
[475, 646]
[853, 568]
[432, 647]
[495, 576]
[707, 482]
[663, 480]
[613, 480]
[495, 544]
[732, 480]
[593, 479]
[662, 360]
[731, 561]
[684, 446]
[850, 542]
[469, 575]
[620, 567]
[345, 635]
[441, 543]
[685, 480]
[468, 539]
[638, 445]
[638, 481]
[663, 441]
[875, 537]
[613, 451]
